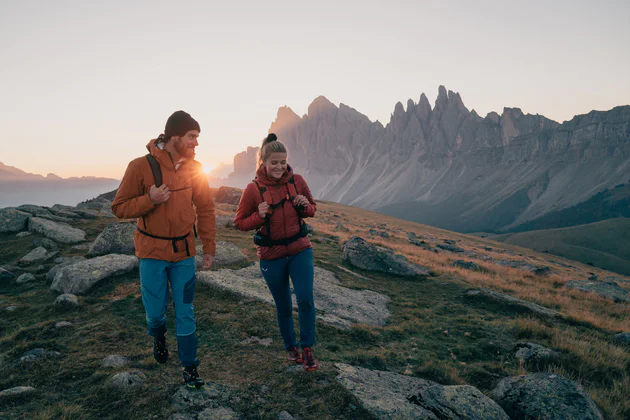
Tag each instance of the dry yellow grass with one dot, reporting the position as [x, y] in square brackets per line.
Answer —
[544, 290]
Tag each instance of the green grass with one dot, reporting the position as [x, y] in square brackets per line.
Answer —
[602, 244]
[433, 333]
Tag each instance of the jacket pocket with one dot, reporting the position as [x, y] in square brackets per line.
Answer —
[189, 289]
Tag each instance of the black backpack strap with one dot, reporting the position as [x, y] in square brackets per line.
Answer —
[155, 168]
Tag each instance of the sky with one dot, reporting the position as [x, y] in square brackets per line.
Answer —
[84, 85]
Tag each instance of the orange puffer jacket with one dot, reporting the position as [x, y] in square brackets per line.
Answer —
[284, 221]
[173, 218]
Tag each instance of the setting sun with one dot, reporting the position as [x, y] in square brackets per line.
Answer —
[207, 168]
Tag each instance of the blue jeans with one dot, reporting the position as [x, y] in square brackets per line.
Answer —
[155, 276]
[301, 270]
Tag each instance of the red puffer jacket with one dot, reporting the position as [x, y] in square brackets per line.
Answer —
[284, 221]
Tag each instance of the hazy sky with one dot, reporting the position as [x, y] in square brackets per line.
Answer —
[85, 84]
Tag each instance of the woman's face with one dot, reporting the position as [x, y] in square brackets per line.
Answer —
[276, 164]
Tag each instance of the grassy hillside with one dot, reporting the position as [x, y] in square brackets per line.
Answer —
[433, 333]
[604, 244]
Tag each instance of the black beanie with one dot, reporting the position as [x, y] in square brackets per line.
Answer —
[179, 124]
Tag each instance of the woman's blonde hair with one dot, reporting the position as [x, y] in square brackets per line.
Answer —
[270, 145]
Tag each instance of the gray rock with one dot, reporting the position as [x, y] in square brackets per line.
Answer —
[65, 213]
[388, 395]
[218, 413]
[80, 277]
[126, 380]
[541, 271]
[606, 289]
[82, 247]
[34, 210]
[45, 243]
[623, 338]
[37, 355]
[545, 395]
[227, 254]
[63, 324]
[522, 265]
[23, 234]
[284, 415]
[467, 265]
[228, 195]
[38, 254]
[264, 341]
[421, 244]
[375, 232]
[41, 268]
[336, 305]
[616, 279]
[5, 274]
[187, 399]
[117, 238]
[24, 278]
[86, 213]
[115, 361]
[362, 254]
[225, 221]
[10, 308]
[533, 353]
[450, 248]
[18, 390]
[59, 232]
[65, 261]
[510, 301]
[13, 220]
[66, 301]
[593, 277]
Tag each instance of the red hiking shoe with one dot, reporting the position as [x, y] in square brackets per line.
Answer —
[310, 364]
[294, 355]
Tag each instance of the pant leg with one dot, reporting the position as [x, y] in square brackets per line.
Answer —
[154, 288]
[301, 270]
[183, 283]
[277, 277]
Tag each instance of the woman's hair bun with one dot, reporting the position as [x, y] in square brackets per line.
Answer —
[271, 137]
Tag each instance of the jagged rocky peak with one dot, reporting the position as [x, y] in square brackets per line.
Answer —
[285, 119]
[493, 116]
[350, 113]
[320, 105]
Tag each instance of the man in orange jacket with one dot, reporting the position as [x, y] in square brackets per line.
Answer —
[164, 240]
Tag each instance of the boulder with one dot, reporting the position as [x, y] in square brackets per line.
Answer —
[467, 265]
[545, 395]
[80, 277]
[623, 338]
[227, 254]
[336, 305]
[65, 261]
[375, 232]
[228, 195]
[5, 274]
[38, 354]
[117, 238]
[126, 380]
[606, 289]
[115, 361]
[533, 354]
[541, 271]
[362, 254]
[388, 395]
[25, 278]
[38, 254]
[23, 234]
[511, 302]
[18, 390]
[59, 232]
[13, 220]
[450, 248]
[66, 301]
[45, 243]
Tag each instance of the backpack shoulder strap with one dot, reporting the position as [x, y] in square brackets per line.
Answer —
[292, 187]
[155, 168]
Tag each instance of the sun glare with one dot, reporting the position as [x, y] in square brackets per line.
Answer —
[207, 168]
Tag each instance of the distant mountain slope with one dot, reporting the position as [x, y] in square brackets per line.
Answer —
[449, 167]
[603, 244]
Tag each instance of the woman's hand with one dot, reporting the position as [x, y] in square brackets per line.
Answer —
[262, 209]
[300, 200]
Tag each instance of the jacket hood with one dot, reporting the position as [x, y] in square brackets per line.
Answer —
[264, 179]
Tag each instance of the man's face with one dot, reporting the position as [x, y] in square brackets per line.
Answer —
[185, 145]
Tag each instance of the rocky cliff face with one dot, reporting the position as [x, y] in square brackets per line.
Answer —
[448, 166]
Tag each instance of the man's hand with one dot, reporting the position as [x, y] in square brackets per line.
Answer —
[159, 195]
[207, 261]
[262, 209]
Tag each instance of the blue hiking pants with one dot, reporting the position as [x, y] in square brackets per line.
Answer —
[155, 276]
[301, 271]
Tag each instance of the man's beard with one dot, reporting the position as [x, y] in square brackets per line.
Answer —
[184, 151]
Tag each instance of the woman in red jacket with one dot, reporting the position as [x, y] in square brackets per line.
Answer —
[275, 203]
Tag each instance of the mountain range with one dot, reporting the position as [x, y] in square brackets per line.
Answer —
[449, 167]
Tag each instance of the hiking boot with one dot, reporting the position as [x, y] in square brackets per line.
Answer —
[310, 364]
[191, 378]
[160, 351]
[294, 355]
